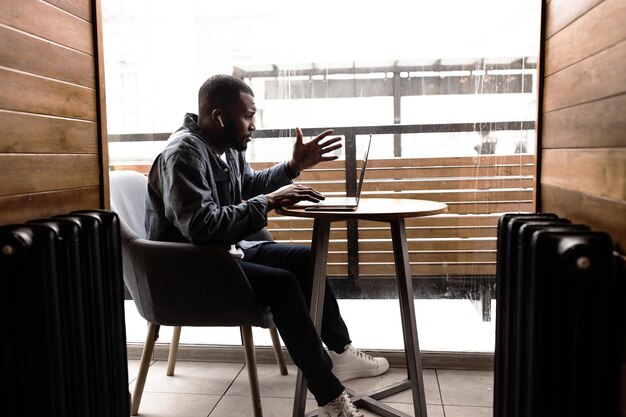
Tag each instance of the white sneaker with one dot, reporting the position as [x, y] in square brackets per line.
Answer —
[353, 363]
[339, 407]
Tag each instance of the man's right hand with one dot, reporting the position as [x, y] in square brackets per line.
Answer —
[290, 195]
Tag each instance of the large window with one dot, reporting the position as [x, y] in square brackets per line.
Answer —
[447, 88]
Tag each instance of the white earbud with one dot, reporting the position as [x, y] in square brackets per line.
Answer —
[219, 118]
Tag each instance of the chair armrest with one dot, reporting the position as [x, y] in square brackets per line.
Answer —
[185, 284]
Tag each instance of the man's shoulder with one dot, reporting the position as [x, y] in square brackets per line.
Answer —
[185, 143]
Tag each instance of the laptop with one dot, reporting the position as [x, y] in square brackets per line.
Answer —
[340, 203]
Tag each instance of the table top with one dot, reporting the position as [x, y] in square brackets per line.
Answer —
[382, 209]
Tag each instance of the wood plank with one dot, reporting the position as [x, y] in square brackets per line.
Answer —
[377, 245]
[590, 125]
[384, 233]
[597, 172]
[435, 173]
[599, 76]
[30, 173]
[44, 20]
[421, 162]
[427, 172]
[446, 183]
[560, 13]
[418, 269]
[141, 168]
[32, 94]
[601, 214]
[79, 8]
[334, 170]
[32, 133]
[21, 208]
[24, 52]
[453, 161]
[526, 206]
[451, 196]
[418, 256]
[338, 164]
[600, 28]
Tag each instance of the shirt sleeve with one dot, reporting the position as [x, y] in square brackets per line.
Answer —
[264, 181]
[192, 206]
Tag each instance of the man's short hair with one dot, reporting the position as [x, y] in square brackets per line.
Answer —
[220, 91]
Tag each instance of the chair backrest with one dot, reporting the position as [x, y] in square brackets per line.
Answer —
[152, 270]
[128, 200]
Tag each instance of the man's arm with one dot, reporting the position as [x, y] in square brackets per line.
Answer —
[191, 207]
[305, 155]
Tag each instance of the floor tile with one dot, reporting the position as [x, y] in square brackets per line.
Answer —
[474, 388]
[271, 382]
[133, 368]
[461, 411]
[431, 387]
[176, 405]
[236, 406]
[192, 377]
[433, 410]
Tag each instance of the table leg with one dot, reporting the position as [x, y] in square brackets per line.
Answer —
[319, 252]
[407, 311]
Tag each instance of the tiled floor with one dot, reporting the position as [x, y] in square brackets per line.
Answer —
[201, 389]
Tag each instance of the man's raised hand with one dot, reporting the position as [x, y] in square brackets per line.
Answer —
[307, 155]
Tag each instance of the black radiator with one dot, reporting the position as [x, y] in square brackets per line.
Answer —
[62, 309]
[557, 325]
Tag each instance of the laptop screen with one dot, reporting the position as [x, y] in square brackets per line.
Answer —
[359, 186]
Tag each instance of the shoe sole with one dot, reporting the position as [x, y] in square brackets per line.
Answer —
[346, 376]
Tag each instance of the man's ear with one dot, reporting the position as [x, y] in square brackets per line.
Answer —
[217, 116]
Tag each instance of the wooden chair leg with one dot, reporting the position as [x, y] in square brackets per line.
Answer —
[171, 359]
[278, 351]
[248, 347]
[146, 356]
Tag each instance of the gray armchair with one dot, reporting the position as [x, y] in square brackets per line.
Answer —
[180, 284]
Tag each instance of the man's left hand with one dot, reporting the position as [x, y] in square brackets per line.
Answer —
[307, 155]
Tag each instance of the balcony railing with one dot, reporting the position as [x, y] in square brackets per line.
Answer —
[452, 247]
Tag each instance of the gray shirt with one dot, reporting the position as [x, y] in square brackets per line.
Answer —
[194, 196]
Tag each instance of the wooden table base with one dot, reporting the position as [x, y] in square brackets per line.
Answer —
[415, 381]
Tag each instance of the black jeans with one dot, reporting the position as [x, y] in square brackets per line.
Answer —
[281, 277]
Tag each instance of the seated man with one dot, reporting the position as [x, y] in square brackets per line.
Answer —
[202, 190]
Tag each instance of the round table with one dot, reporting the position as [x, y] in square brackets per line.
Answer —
[392, 211]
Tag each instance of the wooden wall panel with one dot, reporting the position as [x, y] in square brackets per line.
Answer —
[33, 94]
[35, 133]
[582, 137]
[49, 22]
[21, 208]
[603, 26]
[51, 108]
[598, 123]
[561, 13]
[599, 172]
[28, 53]
[602, 214]
[78, 8]
[31, 173]
[599, 76]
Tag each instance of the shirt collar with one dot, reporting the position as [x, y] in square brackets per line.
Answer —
[191, 123]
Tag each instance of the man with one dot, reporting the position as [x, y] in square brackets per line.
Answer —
[202, 190]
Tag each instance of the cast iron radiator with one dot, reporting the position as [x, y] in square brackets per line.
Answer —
[557, 339]
[63, 344]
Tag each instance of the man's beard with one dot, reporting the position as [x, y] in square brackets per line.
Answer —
[233, 140]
